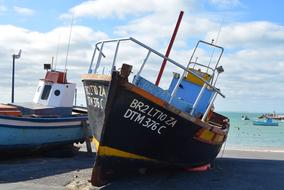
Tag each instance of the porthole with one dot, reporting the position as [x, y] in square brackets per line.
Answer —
[57, 92]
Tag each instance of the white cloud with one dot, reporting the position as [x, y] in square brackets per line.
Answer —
[253, 65]
[123, 8]
[252, 34]
[39, 48]
[23, 11]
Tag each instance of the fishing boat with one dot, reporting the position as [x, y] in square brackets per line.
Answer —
[273, 116]
[138, 124]
[49, 120]
[266, 122]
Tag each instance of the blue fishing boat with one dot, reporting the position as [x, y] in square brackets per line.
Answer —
[267, 122]
[49, 120]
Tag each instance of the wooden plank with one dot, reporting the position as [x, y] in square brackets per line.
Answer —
[96, 77]
[7, 107]
[12, 112]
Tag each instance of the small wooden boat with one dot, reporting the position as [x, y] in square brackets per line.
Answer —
[140, 125]
[267, 122]
[49, 120]
[245, 117]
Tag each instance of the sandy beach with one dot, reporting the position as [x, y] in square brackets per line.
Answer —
[234, 169]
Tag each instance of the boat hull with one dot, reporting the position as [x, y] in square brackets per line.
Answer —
[136, 129]
[264, 123]
[18, 133]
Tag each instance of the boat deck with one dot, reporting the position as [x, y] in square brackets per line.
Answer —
[30, 108]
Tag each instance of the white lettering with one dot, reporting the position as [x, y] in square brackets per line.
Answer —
[133, 103]
[139, 118]
[171, 122]
[92, 90]
[127, 113]
[159, 130]
[149, 113]
[144, 110]
[139, 106]
[149, 117]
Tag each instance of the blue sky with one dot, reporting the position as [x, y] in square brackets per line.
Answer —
[264, 10]
[45, 15]
[252, 33]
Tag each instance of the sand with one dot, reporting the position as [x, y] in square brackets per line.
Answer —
[234, 169]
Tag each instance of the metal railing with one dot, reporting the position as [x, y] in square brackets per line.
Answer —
[208, 67]
[100, 45]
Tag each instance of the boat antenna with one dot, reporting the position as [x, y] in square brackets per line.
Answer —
[213, 40]
[69, 41]
[68, 46]
[57, 50]
[169, 48]
[52, 59]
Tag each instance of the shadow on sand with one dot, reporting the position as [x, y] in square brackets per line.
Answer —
[228, 173]
[19, 167]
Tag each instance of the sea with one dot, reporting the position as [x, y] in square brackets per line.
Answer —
[243, 135]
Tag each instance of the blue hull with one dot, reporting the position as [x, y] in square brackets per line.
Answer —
[265, 123]
[34, 133]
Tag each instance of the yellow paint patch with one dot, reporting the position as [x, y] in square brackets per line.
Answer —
[108, 151]
[206, 135]
[190, 77]
[96, 142]
[210, 136]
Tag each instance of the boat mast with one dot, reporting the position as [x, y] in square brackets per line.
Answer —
[169, 48]
[15, 56]
[57, 50]
[68, 46]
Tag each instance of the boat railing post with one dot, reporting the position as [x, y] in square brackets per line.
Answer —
[175, 88]
[198, 99]
[115, 55]
[99, 57]
[92, 61]
[143, 64]
[209, 106]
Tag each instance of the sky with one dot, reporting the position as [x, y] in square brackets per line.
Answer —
[251, 31]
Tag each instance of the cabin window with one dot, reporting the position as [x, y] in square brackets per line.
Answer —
[46, 91]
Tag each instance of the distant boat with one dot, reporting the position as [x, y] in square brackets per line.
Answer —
[267, 122]
[49, 120]
[245, 117]
[272, 116]
[140, 125]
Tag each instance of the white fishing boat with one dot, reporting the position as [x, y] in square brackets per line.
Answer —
[49, 120]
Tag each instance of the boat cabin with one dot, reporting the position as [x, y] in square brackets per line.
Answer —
[54, 96]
